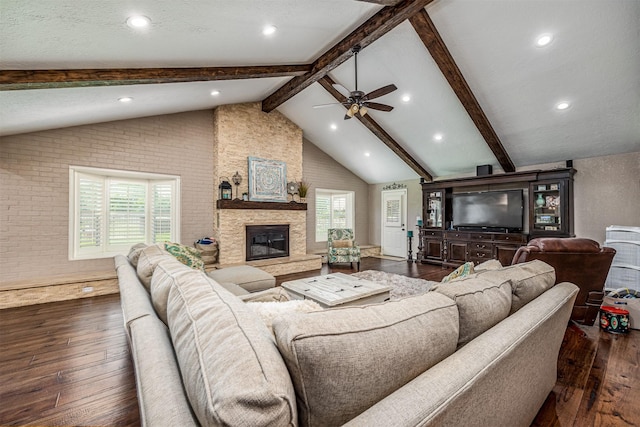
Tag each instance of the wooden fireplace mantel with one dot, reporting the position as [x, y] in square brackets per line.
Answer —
[274, 206]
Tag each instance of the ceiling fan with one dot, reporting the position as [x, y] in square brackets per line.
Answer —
[358, 102]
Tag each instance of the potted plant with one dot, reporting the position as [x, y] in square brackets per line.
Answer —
[303, 187]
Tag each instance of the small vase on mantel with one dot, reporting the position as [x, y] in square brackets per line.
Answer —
[540, 201]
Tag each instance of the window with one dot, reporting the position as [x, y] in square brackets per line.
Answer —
[334, 209]
[111, 210]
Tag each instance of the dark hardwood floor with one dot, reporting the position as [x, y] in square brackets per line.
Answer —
[67, 363]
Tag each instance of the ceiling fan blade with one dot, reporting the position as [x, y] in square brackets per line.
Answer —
[381, 92]
[327, 105]
[377, 106]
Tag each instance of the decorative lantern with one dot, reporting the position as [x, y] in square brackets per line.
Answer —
[224, 189]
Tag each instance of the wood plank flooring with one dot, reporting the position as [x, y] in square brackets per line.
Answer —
[67, 363]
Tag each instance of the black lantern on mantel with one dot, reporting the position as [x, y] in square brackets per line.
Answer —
[224, 189]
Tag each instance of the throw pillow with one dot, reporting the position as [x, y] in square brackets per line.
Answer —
[463, 271]
[342, 243]
[344, 360]
[186, 255]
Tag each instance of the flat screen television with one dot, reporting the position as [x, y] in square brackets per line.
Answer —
[490, 210]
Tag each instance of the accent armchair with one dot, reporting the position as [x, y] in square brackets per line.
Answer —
[342, 247]
[576, 260]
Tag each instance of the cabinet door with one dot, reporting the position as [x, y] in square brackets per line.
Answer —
[550, 207]
[433, 249]
[434, 203]
[457, 252]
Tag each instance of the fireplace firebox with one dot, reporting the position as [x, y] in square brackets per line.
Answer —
[267, 241]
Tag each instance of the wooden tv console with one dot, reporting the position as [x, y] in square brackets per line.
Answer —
[452, 248]
[548, 212]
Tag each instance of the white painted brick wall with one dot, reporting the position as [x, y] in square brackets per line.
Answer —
[34, 184]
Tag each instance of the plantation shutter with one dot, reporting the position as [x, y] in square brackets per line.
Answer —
[323, 216]
[127, 202]
[339, 211]
[90, 209]
[161, 214]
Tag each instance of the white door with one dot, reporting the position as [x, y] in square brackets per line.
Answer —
[394, 220]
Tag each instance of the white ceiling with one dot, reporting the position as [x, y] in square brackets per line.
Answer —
[593, 62]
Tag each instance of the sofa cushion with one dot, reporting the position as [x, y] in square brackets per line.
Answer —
[250, 278]
[482, 303]
[147, 260]
[268, 311]
[491, 264]
[344, 360]
[231, 369]
[277, 294]
[164, 276]
[528, 280]
[134, 253]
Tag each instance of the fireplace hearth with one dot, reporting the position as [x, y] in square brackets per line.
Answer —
[267, 241]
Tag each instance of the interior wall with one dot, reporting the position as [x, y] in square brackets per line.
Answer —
[34, 184]
[322, 171]
[607, 192]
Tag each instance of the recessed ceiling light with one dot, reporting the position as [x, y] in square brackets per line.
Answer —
[438, 137]
[215, 92]
[406, 98]
[125, 99]
[562, 105]
[269, 30]
[543, 40]
[367, 154]
[333, 126]
[138, 21]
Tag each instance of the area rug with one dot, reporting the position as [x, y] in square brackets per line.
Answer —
[401, 286]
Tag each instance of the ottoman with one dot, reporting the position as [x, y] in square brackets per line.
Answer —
[247, 277]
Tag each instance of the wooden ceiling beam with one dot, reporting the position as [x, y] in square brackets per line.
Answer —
[382, 2]
[374, 28]
[435, 45]
[53, 79]
[378, 131]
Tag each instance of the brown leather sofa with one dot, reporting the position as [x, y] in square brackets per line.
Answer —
[576, 260]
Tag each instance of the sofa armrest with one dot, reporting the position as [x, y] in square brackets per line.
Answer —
[501, 377]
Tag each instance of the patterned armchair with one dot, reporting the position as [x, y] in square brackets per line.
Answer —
[342, 247]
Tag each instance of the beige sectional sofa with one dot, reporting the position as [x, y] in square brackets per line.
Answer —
[481, 350]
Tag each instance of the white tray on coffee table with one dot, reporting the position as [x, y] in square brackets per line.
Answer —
[337, 289]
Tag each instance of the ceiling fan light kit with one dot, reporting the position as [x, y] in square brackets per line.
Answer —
[357, 101]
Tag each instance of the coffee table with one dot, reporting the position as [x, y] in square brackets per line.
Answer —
[337, 289]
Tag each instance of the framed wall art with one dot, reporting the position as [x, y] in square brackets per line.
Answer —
[267, 180]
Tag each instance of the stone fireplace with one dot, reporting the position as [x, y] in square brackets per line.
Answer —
[267, 241]
[242, 131]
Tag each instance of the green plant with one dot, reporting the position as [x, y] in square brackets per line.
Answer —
[303, 187]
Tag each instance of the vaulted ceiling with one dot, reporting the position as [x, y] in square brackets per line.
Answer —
[473, 86]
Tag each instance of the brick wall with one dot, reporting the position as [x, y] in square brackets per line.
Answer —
[322, 171]
[34, 184]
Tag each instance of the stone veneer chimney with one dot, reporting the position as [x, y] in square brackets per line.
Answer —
[240, 131]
